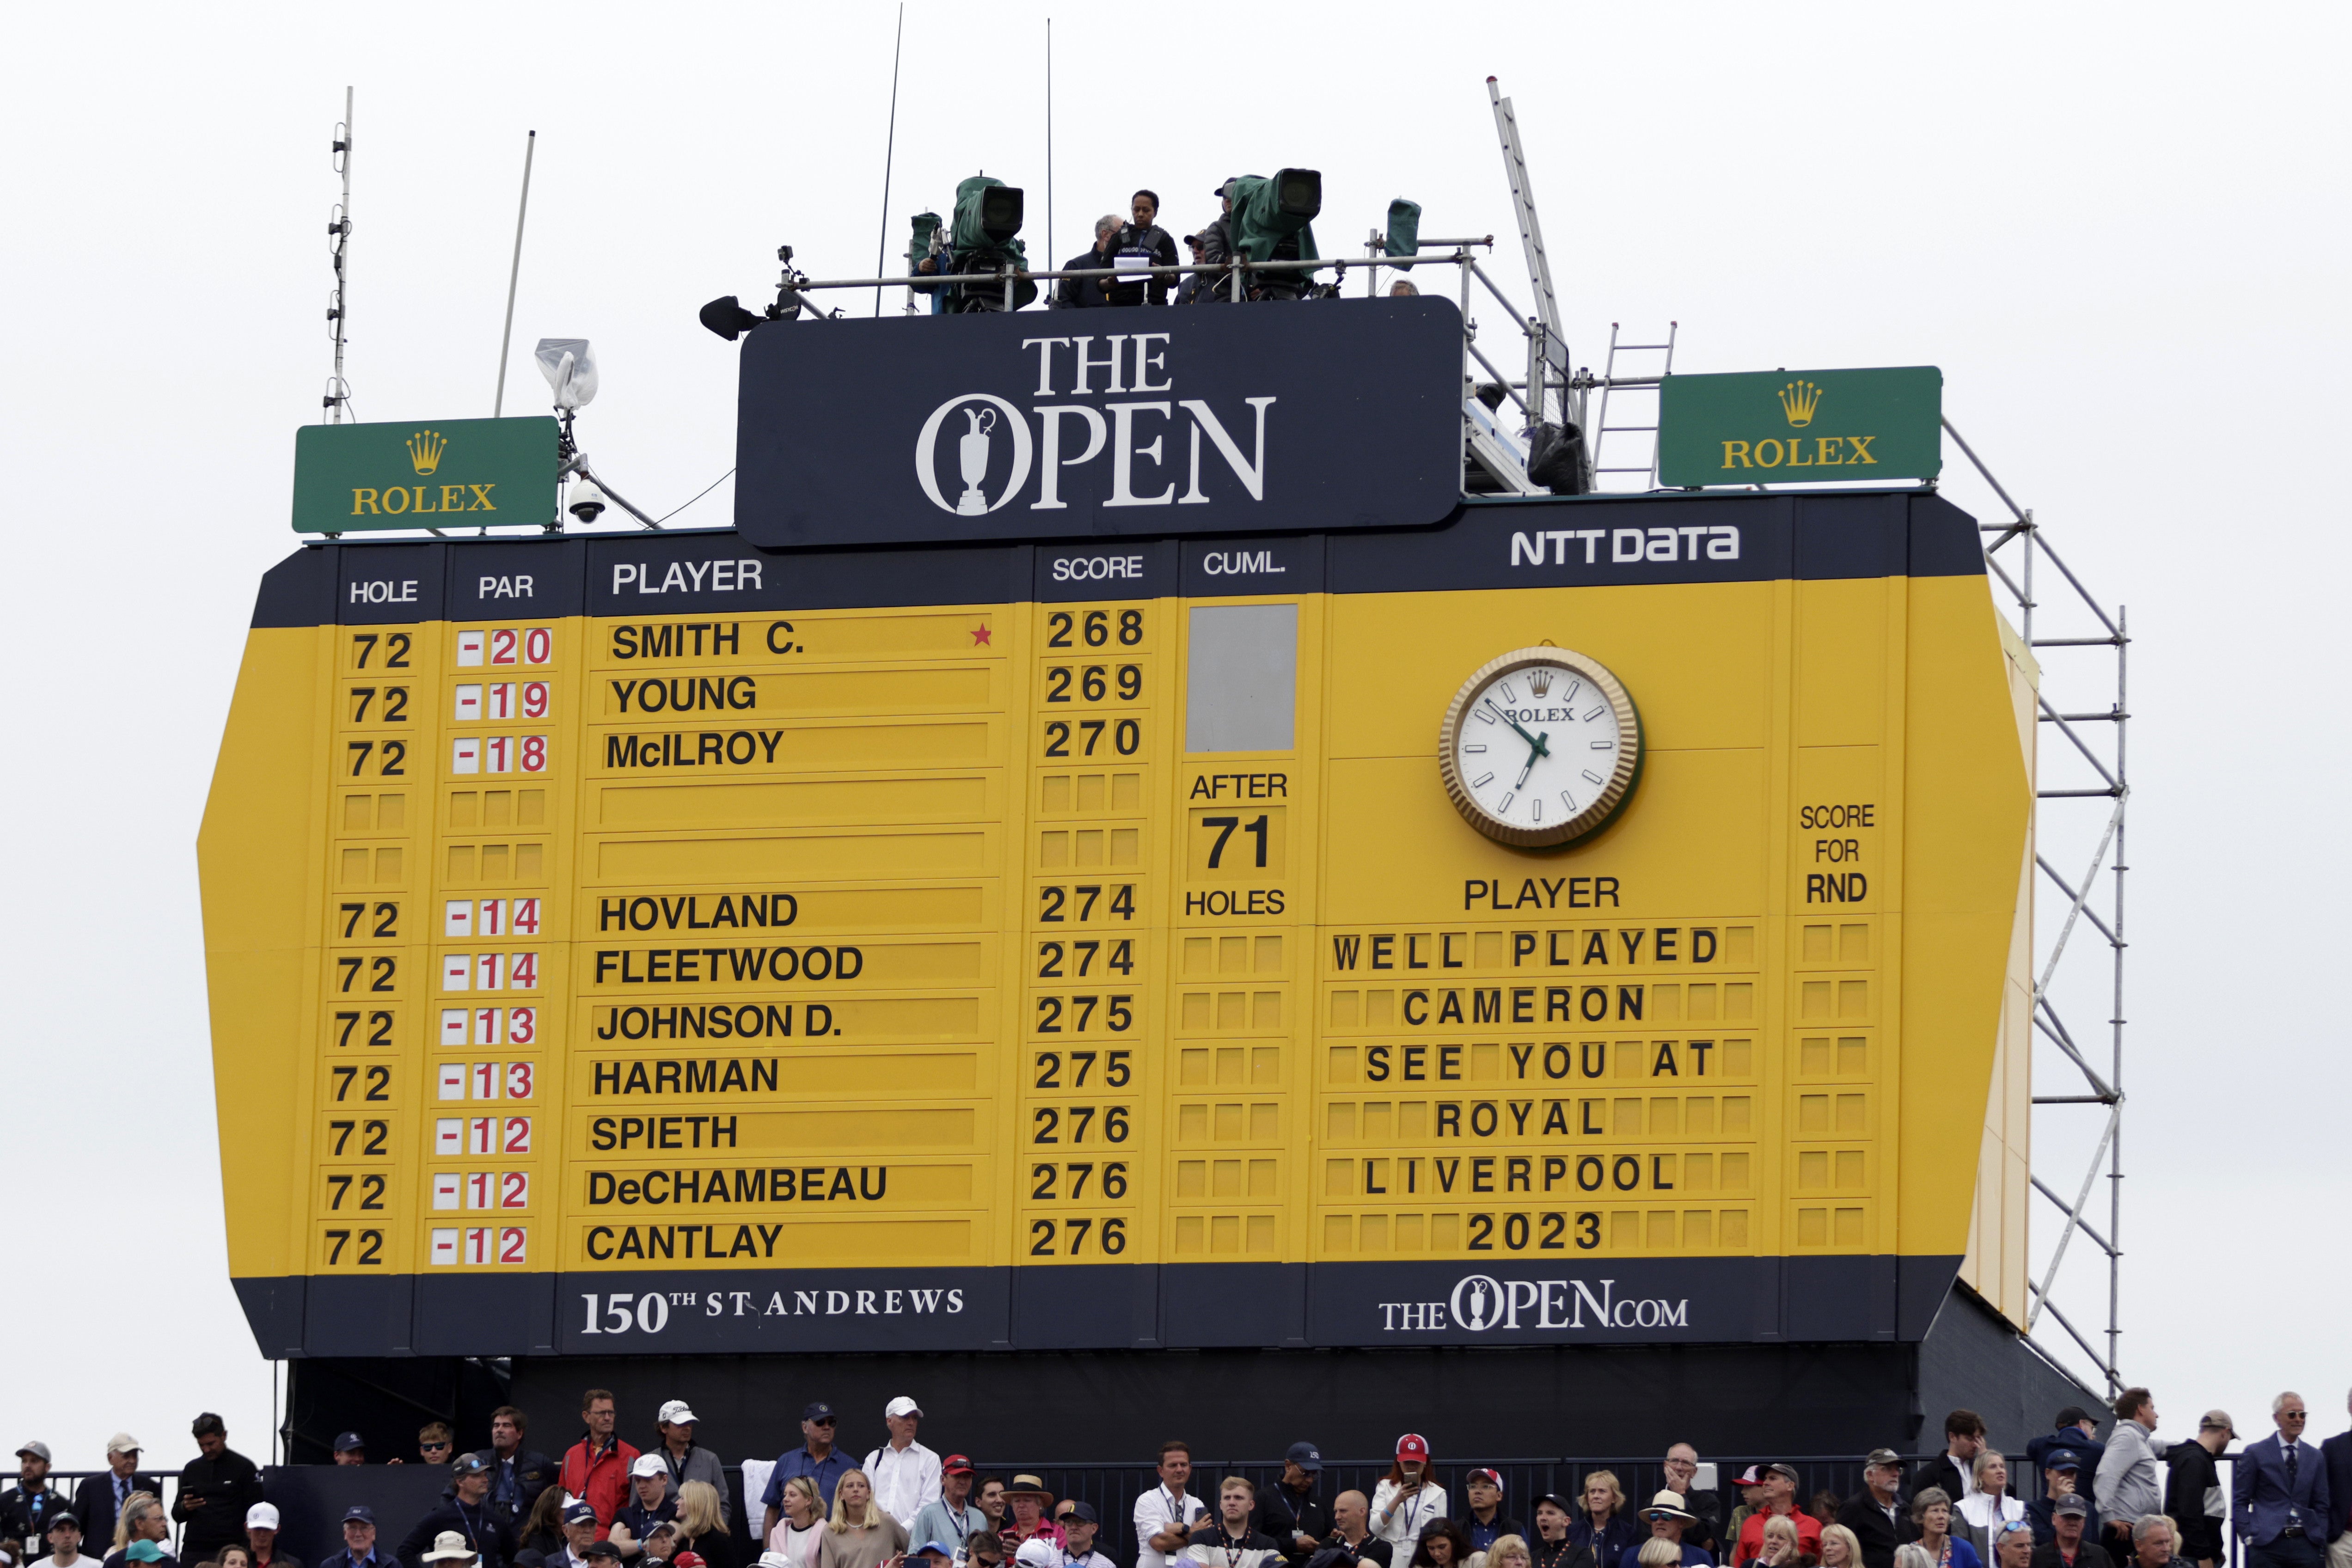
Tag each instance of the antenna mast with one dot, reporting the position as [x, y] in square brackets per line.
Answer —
[339, 390]
[1523, 200]
[506, 338]
[882, 240]
[1051, 255]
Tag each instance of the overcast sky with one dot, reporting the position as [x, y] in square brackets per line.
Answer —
[2119, 230]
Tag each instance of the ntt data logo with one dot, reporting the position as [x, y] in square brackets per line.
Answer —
[1481, 1301]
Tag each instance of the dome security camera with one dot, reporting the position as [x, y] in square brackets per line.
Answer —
[587, 502]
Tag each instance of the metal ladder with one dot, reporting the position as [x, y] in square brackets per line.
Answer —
[1642, 384]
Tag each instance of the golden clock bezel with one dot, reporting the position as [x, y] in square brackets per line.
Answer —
[1613, 793]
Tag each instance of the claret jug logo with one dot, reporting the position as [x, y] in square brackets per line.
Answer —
[971, 451]
[424, 449]
[978, 453]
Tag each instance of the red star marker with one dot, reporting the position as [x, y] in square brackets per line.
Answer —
[980, 637]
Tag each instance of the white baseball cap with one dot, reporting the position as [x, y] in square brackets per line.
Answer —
[1038, 1552]
[261, 1516]
[902, 1405]
[649, 1465]
[676, 1413]
[122, 1443]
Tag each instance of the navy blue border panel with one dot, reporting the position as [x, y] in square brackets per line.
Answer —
[1945, 541]
[1500, 1300]
[694, 574]
[395, 585]
[1349, 411]
[1853, 536]
[299, 591]
[779, 1309]
[273, 1308]
[347, 1314]
[1561, 542]
[1106, 569]
[1722, 539]
[1211, 1304]
[483, 1314]
[512, 579]
[1215, 568]
[1088, 1305]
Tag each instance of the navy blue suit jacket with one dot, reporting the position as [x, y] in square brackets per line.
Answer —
[2337, 1452]
[2264, 1504]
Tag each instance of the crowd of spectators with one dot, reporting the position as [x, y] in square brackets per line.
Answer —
[2134, 1500]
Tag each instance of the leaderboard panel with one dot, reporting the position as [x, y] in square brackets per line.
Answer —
[791, 968]
[1078, 946]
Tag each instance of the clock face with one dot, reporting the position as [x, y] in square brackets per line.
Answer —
[1540, 747]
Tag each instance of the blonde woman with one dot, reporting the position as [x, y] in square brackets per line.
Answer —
[796, 1534]
[1601, 1522]
[702, 1525]
[1507, 1551]
[1983, 1512]
[1840, 1547]
[859, 1534]
[1780, 1548]
[1659, 1553]
[143, 1520]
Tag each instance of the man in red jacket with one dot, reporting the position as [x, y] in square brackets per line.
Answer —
[596, 1471]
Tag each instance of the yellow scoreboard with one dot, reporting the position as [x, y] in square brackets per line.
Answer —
[623, 945]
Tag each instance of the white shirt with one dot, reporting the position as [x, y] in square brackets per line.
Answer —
[1413, 1513]
[800, 1545]
[1156, 1511]
[903, 1479]
[1988, 1509]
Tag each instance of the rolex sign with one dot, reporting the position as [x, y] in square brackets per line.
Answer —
[1324, 414]
[1801, 427]
[430, 473]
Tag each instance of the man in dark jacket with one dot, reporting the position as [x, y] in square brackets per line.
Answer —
[2077, 1429]
[26, 1508]
[468, 1513]
[2193, 1492]
[261, 1537]
[360, 1549]
[100, 1498]
[2073, 1548]
[1964, 1439]
[2335, 1456]
[1875, 1514]
[1484, 1519]
[2062, 1477]
[218, 1485]
[1682, 1469]
[1289, 1512]
[1083, 293]
[518, 1474]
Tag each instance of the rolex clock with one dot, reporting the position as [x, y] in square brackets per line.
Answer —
[1540, 747]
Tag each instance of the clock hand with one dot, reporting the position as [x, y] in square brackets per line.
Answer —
[1514, 723]
[1535, 754]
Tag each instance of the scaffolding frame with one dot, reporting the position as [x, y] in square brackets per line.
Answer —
[2095, 896]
